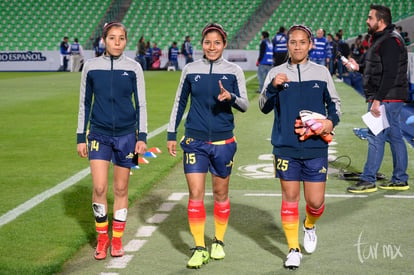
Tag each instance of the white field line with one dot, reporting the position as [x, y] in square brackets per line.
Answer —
[399, 196]
[26, 206]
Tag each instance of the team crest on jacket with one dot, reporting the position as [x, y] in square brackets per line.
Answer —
[197, 77]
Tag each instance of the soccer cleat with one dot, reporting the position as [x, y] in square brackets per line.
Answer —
[199, 257]
[293, 259]
[310, 239]
[102, 247]
[117, 250]
[398, 186]
[217, 251]
[361, 133]
[362, 187]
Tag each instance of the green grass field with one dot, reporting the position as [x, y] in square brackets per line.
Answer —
[357, 235]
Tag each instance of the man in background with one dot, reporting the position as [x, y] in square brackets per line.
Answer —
[187, 50]
[265, 60]
[76, 56]
[280, 52]
[173, 52]
[319, 52]
[64, 55]
[385, 85]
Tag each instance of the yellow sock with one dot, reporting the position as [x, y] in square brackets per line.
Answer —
[197, 220]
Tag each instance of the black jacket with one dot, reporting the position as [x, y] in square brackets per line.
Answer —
[385, 73]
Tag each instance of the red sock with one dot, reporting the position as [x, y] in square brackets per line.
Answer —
[101, 227]
[118, 229]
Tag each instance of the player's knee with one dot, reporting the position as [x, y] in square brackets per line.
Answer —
[220, 196]
[100, 191]
[121, 191]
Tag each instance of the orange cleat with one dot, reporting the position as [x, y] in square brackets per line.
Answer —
[102, 247]
[117, 250]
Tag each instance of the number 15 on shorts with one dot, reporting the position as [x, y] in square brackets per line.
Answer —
[190, 158]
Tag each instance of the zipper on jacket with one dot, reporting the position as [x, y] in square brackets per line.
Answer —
[210, 95]
[112, 96]
[300, 93]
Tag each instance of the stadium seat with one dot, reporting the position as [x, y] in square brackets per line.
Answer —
[163, 21]
[177, 19]
[51, 19]
[347, 15]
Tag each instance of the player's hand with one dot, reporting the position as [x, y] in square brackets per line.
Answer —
[82, 150]
[224, 94]
[312, 127]
[172, 147]
[280, 79]
[140, 147]
[325, 127]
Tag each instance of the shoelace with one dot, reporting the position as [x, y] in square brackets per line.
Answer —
[218, 242]
[292, 252]
[310, 233]
[198, 248]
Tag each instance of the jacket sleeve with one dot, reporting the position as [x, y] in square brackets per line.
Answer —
[85, 105]
[333, 101]
[262, 51]
[180, 103]
[240, 100]
[268, 97]
[141, 105]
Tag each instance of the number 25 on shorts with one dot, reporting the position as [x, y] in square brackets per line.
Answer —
[282, 164]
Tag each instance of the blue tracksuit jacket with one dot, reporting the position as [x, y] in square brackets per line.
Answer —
[112, 98]
[208, 119]
[310, 88]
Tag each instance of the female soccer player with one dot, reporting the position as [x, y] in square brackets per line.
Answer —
[215, 86]
[295, 86]
[113, 109]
